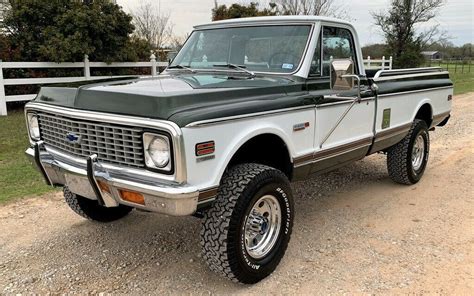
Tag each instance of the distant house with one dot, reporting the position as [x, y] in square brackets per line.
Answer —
[432, 55]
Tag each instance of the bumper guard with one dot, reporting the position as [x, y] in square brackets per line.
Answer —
[82, 177]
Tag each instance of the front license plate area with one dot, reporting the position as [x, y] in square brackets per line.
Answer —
[80, 186]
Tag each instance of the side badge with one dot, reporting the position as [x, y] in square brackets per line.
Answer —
[300, 126]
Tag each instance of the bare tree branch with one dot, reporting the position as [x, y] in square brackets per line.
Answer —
[152, 25]
[311, 7]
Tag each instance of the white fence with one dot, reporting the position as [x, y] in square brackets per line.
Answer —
[383, 64]
[86, 65]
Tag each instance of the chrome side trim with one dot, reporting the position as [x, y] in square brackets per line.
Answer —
[415, 91]
[244, 116]
[408, 70]
[396, 77]
[331, 152]
[173, 129]
[347, 100]
[390, 132]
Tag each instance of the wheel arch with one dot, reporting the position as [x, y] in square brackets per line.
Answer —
[267, 148]
[424, 111]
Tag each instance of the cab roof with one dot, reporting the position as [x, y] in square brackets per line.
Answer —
[271, 20]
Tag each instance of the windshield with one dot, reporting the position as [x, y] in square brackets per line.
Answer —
[276, 49]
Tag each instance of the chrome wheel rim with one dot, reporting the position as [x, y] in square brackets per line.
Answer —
[418, 152]
[262, 226]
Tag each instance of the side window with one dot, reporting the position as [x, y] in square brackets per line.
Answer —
[315, 69]
[337, 44]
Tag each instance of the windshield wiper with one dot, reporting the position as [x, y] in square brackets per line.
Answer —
[181, 67]
[236, 67]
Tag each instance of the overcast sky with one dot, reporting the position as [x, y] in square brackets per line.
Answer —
[456, 16]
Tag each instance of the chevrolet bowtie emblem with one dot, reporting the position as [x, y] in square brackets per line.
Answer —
[73, 138]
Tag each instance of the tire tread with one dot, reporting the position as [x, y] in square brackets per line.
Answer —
[215, 226]
[398, 156]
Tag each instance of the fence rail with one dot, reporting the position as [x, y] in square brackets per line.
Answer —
[86, 65]
[453, 65]
[382, 64]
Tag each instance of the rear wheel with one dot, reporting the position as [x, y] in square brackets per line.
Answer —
[90, 209]
[246, 232]
[407, 160]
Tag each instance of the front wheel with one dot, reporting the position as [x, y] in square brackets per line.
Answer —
[246, 232]
[407, 160]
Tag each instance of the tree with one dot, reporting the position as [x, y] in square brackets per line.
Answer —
[222, 12]
[64, 30]
[375, 50]
[311, 7]
[400, 25]
[152, 25]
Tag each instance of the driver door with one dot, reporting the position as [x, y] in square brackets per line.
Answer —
[344, 130]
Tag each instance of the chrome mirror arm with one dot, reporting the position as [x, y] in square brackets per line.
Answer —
[356, 77]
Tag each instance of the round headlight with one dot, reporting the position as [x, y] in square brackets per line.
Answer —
[33, 126]
[159, 151]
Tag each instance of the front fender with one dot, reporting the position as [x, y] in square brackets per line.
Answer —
[229, 137]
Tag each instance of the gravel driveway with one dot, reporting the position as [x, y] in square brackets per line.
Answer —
[355, 232]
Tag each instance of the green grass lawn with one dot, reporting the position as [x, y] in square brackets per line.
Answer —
[463, 82]
[18, 177]
[462, 77]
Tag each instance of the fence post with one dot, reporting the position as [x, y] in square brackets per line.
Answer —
[87, 67]
[153, 65]
[383, 62]
[3, 99]
[368, 62]
[390, 63]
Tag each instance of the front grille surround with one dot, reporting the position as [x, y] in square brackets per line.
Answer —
[113, 143]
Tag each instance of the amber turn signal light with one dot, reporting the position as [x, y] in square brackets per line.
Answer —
[132, 197]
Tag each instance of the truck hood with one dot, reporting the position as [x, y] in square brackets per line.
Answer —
[182, 98]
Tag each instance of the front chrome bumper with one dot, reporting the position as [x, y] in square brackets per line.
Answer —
[82, 177]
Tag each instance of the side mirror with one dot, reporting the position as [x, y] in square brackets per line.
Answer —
[343, 77]
[340, 68]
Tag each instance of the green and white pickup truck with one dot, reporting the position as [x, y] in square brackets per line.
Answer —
[247, 106]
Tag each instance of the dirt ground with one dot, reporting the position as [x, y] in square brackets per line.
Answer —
[356, 232]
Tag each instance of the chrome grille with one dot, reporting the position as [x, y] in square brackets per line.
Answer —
[112, 143]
